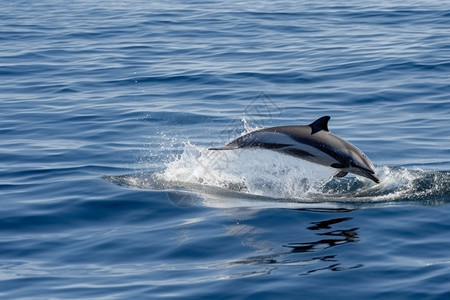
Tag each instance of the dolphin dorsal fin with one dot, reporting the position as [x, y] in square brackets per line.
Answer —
[320, 124]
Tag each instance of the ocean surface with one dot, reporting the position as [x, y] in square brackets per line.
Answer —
[108, 189]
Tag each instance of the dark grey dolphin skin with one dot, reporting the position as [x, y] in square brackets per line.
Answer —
[314, 143]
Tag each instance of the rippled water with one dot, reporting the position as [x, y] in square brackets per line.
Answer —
[108, 189]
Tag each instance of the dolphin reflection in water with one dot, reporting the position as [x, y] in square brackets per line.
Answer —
[314, 143]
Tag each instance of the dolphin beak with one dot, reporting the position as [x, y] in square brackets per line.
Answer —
[373, 177]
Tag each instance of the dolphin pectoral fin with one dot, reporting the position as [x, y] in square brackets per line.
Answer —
[341, 174]
[337, 166]
[319, 124]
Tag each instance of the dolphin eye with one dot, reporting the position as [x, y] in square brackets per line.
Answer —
[353, 165]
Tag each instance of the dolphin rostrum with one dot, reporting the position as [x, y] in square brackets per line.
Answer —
[314, 143]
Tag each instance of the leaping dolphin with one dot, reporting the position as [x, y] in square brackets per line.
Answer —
[314, 143]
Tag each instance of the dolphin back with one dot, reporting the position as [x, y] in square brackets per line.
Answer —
[276, 137]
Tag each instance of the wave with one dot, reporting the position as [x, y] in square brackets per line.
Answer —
[266, 178]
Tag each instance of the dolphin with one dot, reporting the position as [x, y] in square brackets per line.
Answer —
[314, 143]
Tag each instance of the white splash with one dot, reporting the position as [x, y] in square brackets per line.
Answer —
[253, 171]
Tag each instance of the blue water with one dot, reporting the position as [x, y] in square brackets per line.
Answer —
[108, 191]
